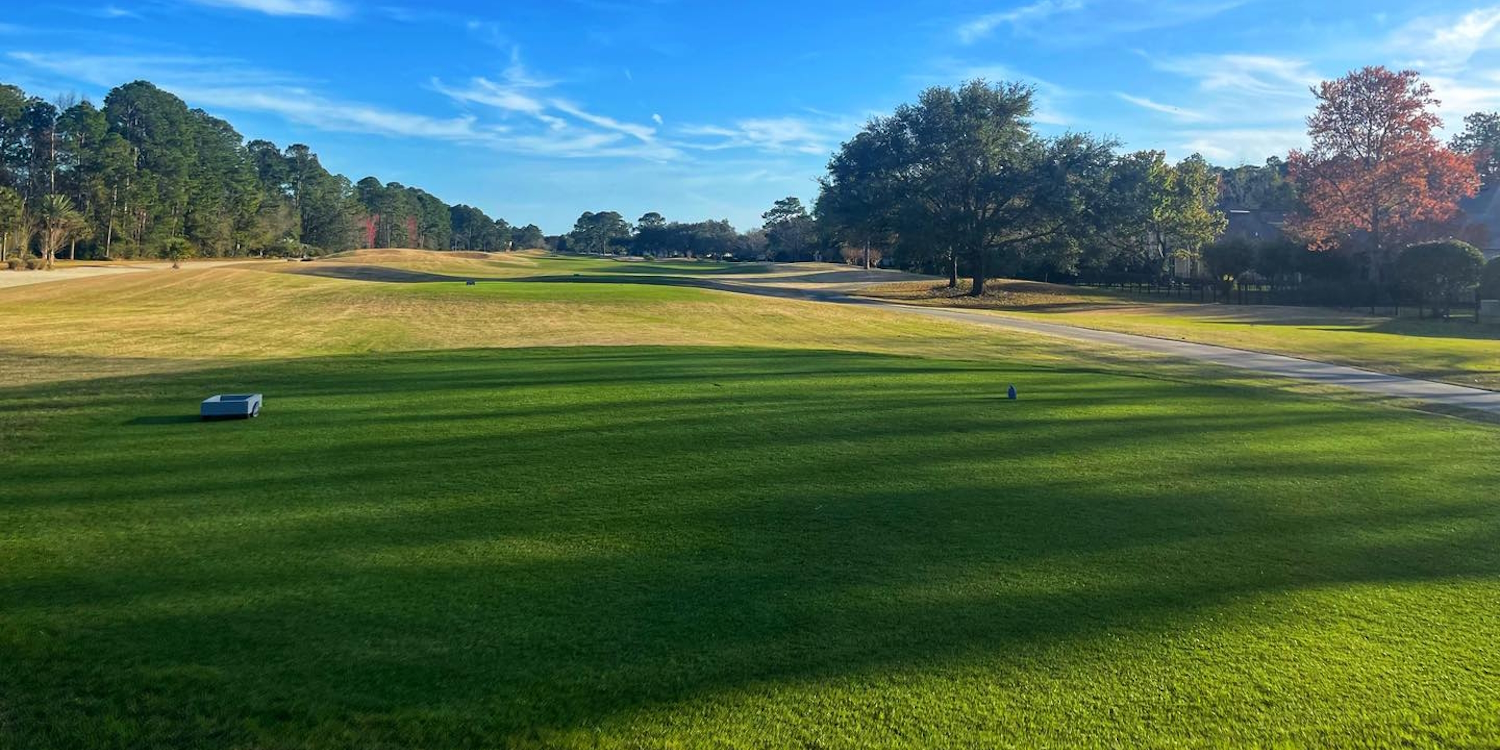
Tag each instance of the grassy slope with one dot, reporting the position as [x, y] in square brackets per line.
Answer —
[663, 545]
[170, 320]
[1455, 351]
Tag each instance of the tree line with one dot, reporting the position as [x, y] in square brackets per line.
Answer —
[146, 176]
[960, 183]
[960, 180]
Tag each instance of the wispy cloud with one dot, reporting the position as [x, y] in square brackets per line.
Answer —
[115, 11]
[518, 91]
[1462, 95]
[1265, 97]
[490, 33]
[1446, 43]
[812, 134]
[1240, 145]
[229, 85]
[978, 28]
[1081, 21]
[1176, 113]
[517, 110]
[318, 8]
[1243, 75]
[642, 133]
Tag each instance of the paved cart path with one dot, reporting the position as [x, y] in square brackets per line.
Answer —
[1394, 386]
[1323, 373]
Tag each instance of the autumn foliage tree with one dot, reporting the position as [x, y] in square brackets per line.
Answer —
[1375, 171]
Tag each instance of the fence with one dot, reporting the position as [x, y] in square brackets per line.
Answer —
[1363, 297]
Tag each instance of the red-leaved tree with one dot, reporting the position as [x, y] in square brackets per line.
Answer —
[1375, 172]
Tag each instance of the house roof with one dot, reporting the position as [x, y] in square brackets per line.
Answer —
[1480, 216]
[1254, 223]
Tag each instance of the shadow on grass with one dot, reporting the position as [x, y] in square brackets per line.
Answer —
[164, 419]
[671, 266]
[479, 547]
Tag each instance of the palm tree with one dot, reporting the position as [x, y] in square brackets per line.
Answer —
[176, 250]
[58, 220]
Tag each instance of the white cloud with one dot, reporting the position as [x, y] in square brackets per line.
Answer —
[519, 111]
[105, 70]
[1266, 97]
[319, 8]
[977, 28]
[1076, 21]
[494, 94]
[639, 132]
[569, 126]
[308, 108]
[1447, 43]
[219, 83]
[1176, 113]
[1459, 97]
[1252, 91]
[225, 84]
[1244, 75]
[1239, 145]
[817, 135]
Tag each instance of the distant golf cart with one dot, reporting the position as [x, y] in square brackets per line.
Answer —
[231, 406]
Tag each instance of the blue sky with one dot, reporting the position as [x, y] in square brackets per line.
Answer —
[536, 111]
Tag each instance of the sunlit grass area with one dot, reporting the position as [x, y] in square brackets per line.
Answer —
[1456, 351]
[170, 319]
[542, 514]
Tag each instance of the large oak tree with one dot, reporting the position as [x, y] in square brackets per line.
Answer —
[963, 171]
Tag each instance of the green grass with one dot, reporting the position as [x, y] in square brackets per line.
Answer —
[1455, 351]
[748, 544]
[669, 546]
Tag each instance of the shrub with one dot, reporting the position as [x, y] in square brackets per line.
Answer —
[1440, 271]
[33, 264]
[1489, 282]
[1229, 257]
[855, 255]
[15, 264]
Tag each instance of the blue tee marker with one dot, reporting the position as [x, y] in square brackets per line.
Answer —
[1011, 394]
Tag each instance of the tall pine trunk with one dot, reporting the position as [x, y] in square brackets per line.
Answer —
[952, 270]
[109, 229]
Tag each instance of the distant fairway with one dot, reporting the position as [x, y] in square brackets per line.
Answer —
[546, 514]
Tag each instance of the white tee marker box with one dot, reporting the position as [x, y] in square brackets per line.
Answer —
[231, 406]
